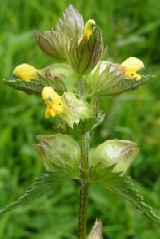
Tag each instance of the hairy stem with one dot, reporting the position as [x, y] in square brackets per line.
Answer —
[83, 189]
[83, 210]
[84, 152]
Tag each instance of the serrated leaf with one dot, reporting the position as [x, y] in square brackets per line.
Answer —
[51, 45]
[100, 118]
[30, 87]
[53, 81]
[59, 76]
[45, 182]
[122, 186]
[84, 126]
[124, 85]
[72, 23]
[69, 171]
[108, 80]
[55, 43]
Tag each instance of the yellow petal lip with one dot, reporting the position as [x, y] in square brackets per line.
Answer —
[133, 65]
[25, 72]
[49, 94]
[54, 102]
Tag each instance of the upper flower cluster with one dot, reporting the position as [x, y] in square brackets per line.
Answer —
[78, 72]
[72, 42]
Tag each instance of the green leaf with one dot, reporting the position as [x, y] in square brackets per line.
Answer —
[55, 43]
[30, 87]
[121, 186]
[84, 126]
[100, 118]
[59, 76]
[54, 81]
[45, 182]
[124, 85]
[109, 80]
[69, 171]
[51, 44]
[72, 22]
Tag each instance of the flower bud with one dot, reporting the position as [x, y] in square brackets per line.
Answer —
[96, 232]
[25, 72]
[57, 149]
[118, 152]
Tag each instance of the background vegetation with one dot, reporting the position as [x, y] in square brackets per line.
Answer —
[130, 28]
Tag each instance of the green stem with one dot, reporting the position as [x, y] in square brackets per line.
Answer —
[84, 152]
[83, 210]
[83, 189]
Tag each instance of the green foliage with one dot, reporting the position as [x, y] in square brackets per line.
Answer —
[45, 182]
[121, 185]
[105, 177]
[111, 83]
[33, 87]
[78, 129]
[129, 28]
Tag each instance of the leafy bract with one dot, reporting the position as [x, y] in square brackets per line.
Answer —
[84, 126]
[110, 81]
[45, 182]
[56, 43]
[30, 87]
[121, 186]
[85, 55]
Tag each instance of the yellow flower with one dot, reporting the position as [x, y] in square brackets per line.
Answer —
[25, 72]
[89, 29]
[132, 65]
[53, 101]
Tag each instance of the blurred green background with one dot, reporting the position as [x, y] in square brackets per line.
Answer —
[130, 28]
